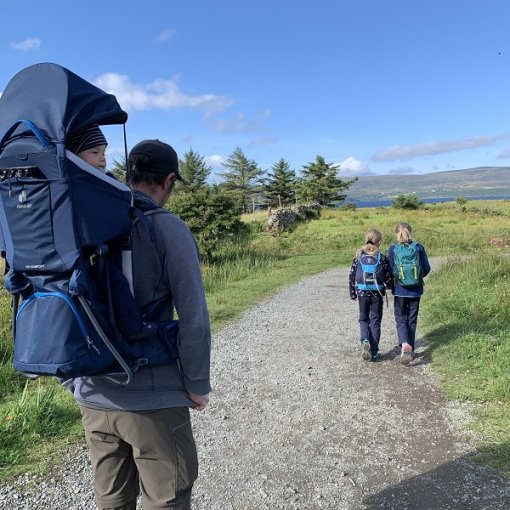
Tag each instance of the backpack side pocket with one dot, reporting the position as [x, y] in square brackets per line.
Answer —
[53, 338]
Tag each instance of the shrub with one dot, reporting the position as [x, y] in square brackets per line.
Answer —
[350, 206]
[409, 201]
[212, 215]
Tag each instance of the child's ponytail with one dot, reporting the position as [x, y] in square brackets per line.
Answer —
[373, 239]
[404, 233]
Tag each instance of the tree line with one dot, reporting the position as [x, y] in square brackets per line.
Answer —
[212, 211]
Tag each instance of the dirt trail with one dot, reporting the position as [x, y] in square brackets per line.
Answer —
[298, 420]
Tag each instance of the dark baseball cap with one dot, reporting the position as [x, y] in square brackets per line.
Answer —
[162, 158]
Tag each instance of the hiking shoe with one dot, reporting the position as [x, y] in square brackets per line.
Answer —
[407, 354]
[375, 357]
[365, 350]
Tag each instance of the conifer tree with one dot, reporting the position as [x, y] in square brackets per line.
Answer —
[320, 183]
[280, 187]
[241, 177]
[118, 169]
[194, 170]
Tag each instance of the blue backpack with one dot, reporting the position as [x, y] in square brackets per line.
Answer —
[407, 268]
[55, 213]
[369, 272]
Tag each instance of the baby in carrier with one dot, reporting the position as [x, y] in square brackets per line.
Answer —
[89, 144]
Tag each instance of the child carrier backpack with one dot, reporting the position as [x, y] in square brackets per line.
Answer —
[56, 213]
[369, 272]
[407, 265]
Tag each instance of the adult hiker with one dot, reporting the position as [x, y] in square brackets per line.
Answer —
[140, 435]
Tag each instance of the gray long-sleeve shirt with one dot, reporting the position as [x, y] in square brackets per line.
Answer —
[168, 265]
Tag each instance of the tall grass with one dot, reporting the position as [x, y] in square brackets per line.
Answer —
[467, 322]
[30, 423]
[10, 383]
[244, 273]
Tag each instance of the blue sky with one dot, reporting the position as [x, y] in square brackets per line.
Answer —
[380, 87]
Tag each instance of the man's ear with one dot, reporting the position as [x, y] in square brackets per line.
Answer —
[169, 182]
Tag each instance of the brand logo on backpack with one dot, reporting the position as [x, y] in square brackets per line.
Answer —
[369, 273]
[22, 198]
[406, 265]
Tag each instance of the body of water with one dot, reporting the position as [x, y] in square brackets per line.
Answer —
[387, 202]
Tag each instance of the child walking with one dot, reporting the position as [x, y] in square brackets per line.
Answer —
[369, 276]
[409, 264]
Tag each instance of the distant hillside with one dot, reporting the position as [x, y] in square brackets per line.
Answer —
[482, 181]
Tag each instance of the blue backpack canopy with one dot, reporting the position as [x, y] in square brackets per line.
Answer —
[56, 213]
[38, 108]
[57, 101]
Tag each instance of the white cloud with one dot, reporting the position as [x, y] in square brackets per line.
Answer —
[159, 94]
[406, 152]
[27, 45]
[114, 153]
[165, 35]
[164, 94]
[214, 161]
[352, 167]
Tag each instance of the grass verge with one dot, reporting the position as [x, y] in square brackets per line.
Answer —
[466, 319]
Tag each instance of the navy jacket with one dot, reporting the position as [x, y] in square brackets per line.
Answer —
[411, 292]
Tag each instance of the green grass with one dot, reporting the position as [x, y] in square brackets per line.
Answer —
[37, 419]
[35, 424]
[244, 274]
[466, 317]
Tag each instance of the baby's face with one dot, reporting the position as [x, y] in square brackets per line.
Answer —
[95, 156]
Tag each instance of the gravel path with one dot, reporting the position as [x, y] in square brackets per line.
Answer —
[299, 421]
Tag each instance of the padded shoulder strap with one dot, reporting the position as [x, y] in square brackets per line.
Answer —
[154, 310]
[142, 210]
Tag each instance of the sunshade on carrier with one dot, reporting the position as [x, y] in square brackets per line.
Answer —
[56, 210]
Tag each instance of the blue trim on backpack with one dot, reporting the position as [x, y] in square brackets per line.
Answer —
[67, 299]
[32, 128]
[369, 286]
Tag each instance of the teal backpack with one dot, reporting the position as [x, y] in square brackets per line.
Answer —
[406, 264]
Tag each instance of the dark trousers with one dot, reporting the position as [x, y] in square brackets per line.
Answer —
[406, 318]
[370, 316]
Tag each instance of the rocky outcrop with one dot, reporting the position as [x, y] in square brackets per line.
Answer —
[281, 220]
[285, 219]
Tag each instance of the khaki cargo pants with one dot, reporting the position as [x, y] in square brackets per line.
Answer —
[153, 452]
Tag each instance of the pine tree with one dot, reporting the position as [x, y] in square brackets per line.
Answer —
[280, 188]
[194, 170]
[241, 177]
[118, 169]
[319, 182]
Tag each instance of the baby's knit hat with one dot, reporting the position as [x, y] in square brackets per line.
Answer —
[85, 138]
